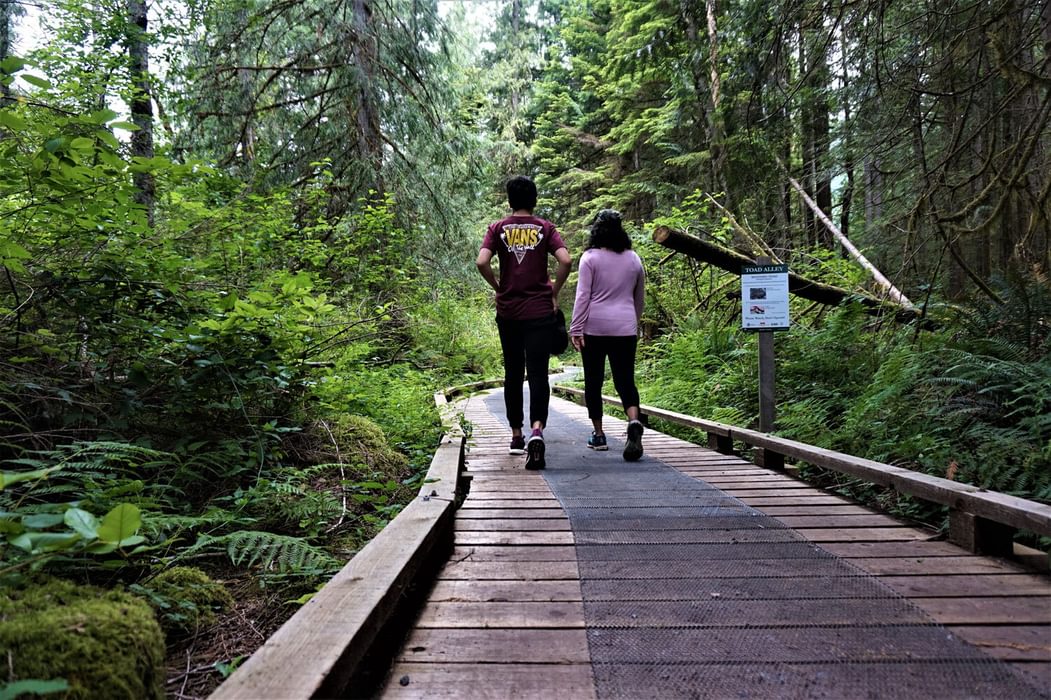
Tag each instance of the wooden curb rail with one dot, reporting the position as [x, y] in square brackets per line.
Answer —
[318, 652]
[979, 520]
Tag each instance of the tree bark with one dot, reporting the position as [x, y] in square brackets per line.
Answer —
[141, 105]
[893, 292]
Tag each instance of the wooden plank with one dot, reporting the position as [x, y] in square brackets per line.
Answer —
[522, 591]
[483, 487]
[521, 553]
[759, 501]
[513, 538]
[497, 646]
[512, 525]
[1013, 643]
[525, 681]
[777, 510]
[838, 521]
[960, 585]
[500, 513]
[509, 503]
[1007, 610]
[801, 491]
[759, 488]
[944, 565]
[516, 616]
[722, 471]
[1034, 672]
[882, 534]
[892, 549]
[510, 570]
[543, 496]
[750, 479]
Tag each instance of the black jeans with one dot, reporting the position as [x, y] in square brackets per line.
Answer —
[621, 352]
[526, 347]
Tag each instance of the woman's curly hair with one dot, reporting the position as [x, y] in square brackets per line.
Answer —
[607, 231]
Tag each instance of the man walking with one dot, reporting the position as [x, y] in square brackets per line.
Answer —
[526, 302]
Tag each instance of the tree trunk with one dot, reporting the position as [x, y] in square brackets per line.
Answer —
[367, 123]
[856, 254]
[732, 261]
[7, 40]
[140, 102]
[848, 146]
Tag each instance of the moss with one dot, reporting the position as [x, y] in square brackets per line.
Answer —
[363, 442]
[185, 599]
[106, 644]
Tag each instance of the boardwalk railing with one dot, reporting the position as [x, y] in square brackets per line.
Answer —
[323, 649]
[979, 520]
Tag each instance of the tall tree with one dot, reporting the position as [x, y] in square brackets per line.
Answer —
[140, 102]
[10, 12]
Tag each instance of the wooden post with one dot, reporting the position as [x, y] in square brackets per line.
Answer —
[980, 535]
[767, 404]
[722, 444]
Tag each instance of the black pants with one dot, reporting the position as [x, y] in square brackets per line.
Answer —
[526, 347]
[621, 352]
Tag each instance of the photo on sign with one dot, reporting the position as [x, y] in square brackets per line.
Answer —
[757, 293]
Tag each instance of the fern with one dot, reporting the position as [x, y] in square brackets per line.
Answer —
[266, 550]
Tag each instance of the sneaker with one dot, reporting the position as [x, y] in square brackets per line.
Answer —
[517, 445]
[598, 442]
[633, 447]
[535, 451]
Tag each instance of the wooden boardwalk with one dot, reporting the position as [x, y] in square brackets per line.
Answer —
[506, 618]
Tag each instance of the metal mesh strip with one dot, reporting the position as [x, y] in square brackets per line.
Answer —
[688, 592]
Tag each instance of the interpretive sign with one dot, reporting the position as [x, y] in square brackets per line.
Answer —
[764, 297]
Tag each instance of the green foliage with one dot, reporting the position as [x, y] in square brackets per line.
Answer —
[267, 552]
[185, 599]
[102, 643]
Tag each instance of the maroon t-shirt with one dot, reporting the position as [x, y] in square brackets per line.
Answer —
[522, 244]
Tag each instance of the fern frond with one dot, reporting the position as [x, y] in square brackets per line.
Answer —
[266, 550]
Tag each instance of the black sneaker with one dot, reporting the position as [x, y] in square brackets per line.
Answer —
[598, 442]
[517, 445]
[535, 451]
[633, 447]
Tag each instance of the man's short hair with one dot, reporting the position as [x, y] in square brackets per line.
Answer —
[521, 193]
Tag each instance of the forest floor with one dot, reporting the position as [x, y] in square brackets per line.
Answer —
[197, 665]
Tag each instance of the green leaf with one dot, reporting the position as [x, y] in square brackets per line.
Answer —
[36, 542]
[12, 121]
[108, 138]
[9, 478]
[102, 116]
[120, 523]
[37, 80]
[10, 691]
[125, 126]
[11, 65]
[83, 522]
[42, 521]
[102, 547]
[10, 250]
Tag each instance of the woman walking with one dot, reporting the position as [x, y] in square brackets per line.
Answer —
[606, 314]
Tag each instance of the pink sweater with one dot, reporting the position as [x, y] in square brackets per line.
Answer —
[610, 293]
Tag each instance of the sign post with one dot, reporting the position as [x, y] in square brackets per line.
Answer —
[764, 308]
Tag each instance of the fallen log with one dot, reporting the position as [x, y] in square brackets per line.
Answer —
[732, 261]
